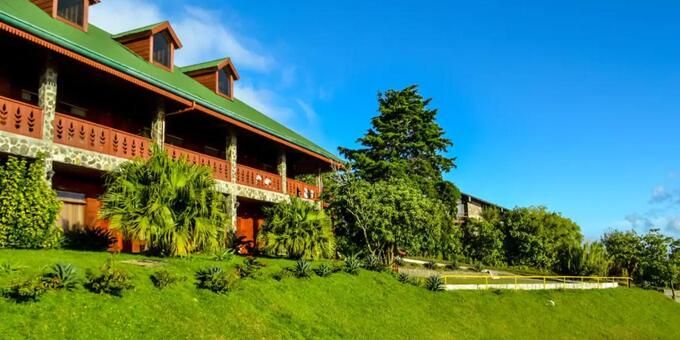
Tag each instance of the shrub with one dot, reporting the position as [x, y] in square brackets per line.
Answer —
[88, 238]
[26, 291]
[216, 280]
[302, 269]
[297, 230]
[62, 276]
[400, 261]
[109, 280]
[250, 267]
[477, 266]
[431, 265]
[283, 274]
[163, 278]
[224, 256]
[28, 206]
[7, 268]
[323, 270]
[434, 283]
[372, 262]
[173, 205]
[403, 278]
[352, 265]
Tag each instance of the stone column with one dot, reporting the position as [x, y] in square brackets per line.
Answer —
[158, 125]
[231, 157]
[47, 100]
[282, 168]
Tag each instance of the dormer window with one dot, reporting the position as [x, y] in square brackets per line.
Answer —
[72, 10]
[161, 49]
[217, 75]
[155, 43]
[225, 83]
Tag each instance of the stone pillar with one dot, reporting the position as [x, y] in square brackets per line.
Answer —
[232, 154]
[282, 168]
[158, 125]
[231, 157]
[47, 100]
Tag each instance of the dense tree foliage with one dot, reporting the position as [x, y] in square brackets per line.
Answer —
[405, 142]
[172, 205]
[28, 206]
[483, 238]
[625, 248]
[589, 258]
[386, 217]
[298, 230]
[535, 236]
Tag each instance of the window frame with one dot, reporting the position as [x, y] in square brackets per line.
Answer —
[83, 26]
[171, 50]
[230, 83]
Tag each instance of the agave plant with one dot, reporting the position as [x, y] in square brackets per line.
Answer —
[297, 230]
[224, 256]
[352, 265]
[323, 270]
[9, 268]
[62, 276]
[302, 269]
[434, 283]
[403, 277]
[372, 262]
[172, 205]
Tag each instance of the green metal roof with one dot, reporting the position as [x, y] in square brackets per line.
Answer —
[99, 45]
[201, 66]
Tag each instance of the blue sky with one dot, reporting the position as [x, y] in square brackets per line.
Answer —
[574, 105]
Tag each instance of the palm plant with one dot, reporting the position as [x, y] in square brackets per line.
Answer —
[302, 269]
[62, 276]
[352, 265]
[434, 283]
[172, 205]
[323, 270]
[297, 230]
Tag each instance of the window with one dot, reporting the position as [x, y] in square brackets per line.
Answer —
[224, 85]
[71, 10]
[161, 49]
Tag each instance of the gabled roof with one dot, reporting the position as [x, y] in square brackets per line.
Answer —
[99, 45]
[149, 30]
[211, 66]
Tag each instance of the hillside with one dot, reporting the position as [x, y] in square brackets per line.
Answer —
[370, 305]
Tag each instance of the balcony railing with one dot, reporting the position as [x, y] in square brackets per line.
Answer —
[20, 118]
[257, 178]
[220, 167]
[86, 135]
[302, 190]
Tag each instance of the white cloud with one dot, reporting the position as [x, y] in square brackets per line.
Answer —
[265, 101]
[660, 194]
[310, 114]
[203, 33]
[123, 15]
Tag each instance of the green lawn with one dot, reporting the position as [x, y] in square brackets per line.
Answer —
[367, 306]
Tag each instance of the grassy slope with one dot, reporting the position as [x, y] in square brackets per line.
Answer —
[368, 306]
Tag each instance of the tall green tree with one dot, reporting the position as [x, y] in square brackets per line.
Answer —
[483, 238]
[625, 247]
[173, 205]
[405, 142]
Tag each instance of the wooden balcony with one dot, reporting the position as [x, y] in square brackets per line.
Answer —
[220, 167]
[257, 178]
[303, 190]
[20, 118]
[86, 135]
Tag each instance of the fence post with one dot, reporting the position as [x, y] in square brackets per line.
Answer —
[545, 286]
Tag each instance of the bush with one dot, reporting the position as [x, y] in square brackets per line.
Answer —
[109, 280]
[297, 230]
[400, 261]
[28, 206]
[434, 283]
[216, 280]
[372, 262]
[7, 268]
[88, 238]
[431, 265]
[62, 276]
[323, 270]
[224, 256]
[283, 274]
[173, 205]
[26, 291]
[302, 269]
[477, 266]
[403, 278]
[250, 267]
[352, 265]
[163, 278]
